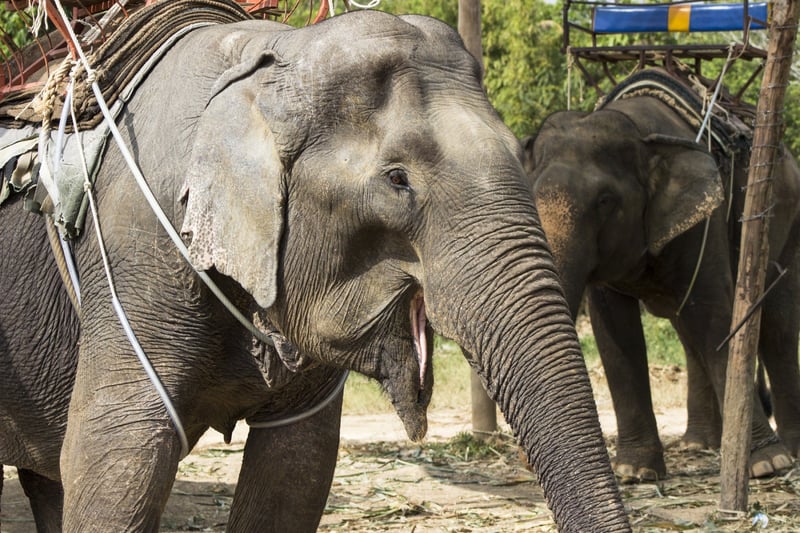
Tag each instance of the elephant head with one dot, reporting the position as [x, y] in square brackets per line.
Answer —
[353, 178]
[616, 185]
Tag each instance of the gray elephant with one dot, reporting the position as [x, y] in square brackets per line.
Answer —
[327, 180]
[623, 193]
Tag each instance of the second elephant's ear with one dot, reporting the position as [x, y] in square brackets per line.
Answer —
[234, 184]
[684, 187]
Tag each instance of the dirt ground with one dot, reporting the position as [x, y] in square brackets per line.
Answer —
[449, 484]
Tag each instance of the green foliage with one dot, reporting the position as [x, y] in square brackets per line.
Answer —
[13, 27]
[663, 345]
[441, 9]
[589, 348]
[791, 116]
[525, 69]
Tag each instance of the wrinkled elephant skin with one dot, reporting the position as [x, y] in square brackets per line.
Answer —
[623, 193]
[346, 183]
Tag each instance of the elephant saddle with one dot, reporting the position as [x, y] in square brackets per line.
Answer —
[731, 121]
[36, 150]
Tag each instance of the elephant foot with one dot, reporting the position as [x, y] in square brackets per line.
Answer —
[639, 466]
[767, 460]
[791, 439]
[698, 439]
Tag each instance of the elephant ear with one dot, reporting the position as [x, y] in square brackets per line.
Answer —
[684, 188]
[233, 187]
[527, 144]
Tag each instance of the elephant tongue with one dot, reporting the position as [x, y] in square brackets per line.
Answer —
[418, 323]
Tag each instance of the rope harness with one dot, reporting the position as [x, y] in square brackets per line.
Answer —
[115, 63]
[80, 95]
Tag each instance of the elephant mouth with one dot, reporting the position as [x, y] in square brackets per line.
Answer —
[412, 407]
[419, 322]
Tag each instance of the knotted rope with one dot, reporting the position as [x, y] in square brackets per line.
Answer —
[116, 61]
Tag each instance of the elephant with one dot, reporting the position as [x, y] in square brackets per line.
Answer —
[326, 180]
[623, 192]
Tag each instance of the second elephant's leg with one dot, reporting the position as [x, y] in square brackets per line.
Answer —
[286, 474]
[780, 322]
[701, 328]
[704, 422]
[617, 326]
[46, 499]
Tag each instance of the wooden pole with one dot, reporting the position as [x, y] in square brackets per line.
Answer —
[469, 27]
[738, 406]
[484, 409]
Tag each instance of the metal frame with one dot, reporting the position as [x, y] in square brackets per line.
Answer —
[26, 69]
[664, 56]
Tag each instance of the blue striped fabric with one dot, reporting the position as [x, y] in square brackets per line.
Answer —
[702, 17]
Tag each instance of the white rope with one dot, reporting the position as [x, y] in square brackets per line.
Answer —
[151, 199]
[307, 414]
[143, 359]
[165, 222]
[40, 17]
[126, 326]
[69, 260]
[570, 64]
[370, 5]
[706, 124]
[713, 102]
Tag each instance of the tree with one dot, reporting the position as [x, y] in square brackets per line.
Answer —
[13, 31]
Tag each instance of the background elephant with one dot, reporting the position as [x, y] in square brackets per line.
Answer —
[622, 193]
[326, 179]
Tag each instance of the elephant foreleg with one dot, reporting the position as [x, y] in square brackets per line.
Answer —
[286, 474]
[704, 421]
[700, 326]
[46, 498]
[118, 462]
[780, 322]
[617, 327]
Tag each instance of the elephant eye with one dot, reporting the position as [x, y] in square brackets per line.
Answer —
[605, 199]
[398, 179]
[606, 202]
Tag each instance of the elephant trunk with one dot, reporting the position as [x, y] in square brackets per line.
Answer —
[573, 260]
[527, 352]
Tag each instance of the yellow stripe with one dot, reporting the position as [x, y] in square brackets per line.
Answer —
[678, 18]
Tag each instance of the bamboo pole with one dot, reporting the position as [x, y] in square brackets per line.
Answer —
[738, 406]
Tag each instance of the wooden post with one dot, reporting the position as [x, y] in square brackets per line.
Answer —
[469, 27]
[738, 406]
[484, 410]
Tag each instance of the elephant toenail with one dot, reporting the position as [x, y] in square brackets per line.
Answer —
[648, 474]
[762, 469]
[782, 462]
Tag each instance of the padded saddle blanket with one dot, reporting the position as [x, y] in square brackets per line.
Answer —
[731, 123]
[56, 160]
